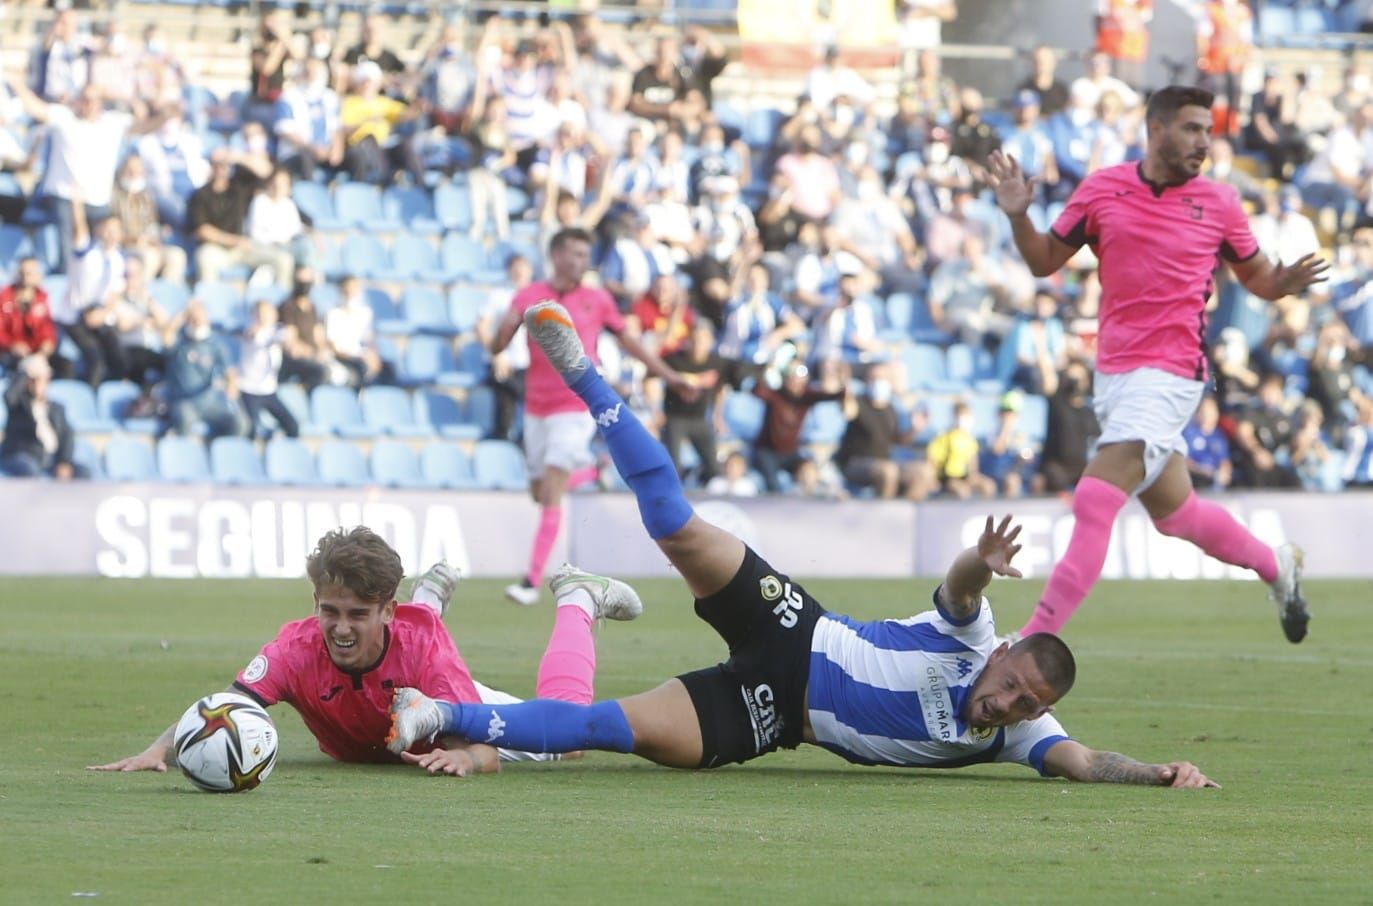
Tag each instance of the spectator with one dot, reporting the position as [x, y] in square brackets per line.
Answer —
[26, 326]
[1236, 378]
[703, 58]
[777, 448]
[1098, 82]
[1072, 425]
[1208, 449]
[1272, 128]
[375, 151]
[973, 137]
[507, 373]
[201, 388]
[372, 49]
[1312, 459]
[757, 324]
[523, 86]
[564, 166]
[634, 175]
[865, 452]
[660, 87]
[1351, 288]
[970, 295]
[268, 60]
[689, 420]
[83, 153]
[847, 331]
[1332, 180]
[1284, 233]
[59, 66]
[1331, 377]
[831, 78]
[1044, 81]
[1222, 169]
[1122, 34]
[1071, 131]
[954, 457]
[611, 121]
[814, 179]
[1041, 346]
[141, 323]
[1029, 143]
[306, 355]
[878, 234]
[449, 79]
[352, 337]
[216, 215]
[132, 203]
[735, 480]
[38, 439]
[1009, 458]
[495, 157]
[111, 66]
[634, 261]
[1225, 41]
[95, 286]
[1262, 432]
[779, 224]
[716, 159]
[308, 128]
[158, 77]
[274, 221]
[723, 221]
[945, 239]
[1115, 134]
[921, 25]
[259, 366]
[661, 319]
[1358, 448]
[818, 481]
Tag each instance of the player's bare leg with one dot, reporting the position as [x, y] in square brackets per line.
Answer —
[1178, 511]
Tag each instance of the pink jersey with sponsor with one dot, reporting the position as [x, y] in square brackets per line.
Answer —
[592, 310]
[348, 712]
[1158, 247]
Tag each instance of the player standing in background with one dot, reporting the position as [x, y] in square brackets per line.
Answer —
[338, 667]
[934, 690]
[1158, 229]
[557, 428]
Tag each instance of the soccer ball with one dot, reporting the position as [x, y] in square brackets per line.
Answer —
[225, 743]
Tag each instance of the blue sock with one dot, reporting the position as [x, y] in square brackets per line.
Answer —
[541, 725]
[643, 462]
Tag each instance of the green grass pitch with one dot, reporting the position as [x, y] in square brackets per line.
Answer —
[92, 670]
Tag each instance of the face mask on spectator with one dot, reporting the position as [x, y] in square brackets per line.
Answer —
[1337, 354]
[965, 423]
[320, 50]
[713, 147]
[133, 184]
[170, 128]
[879, 391]
[198, 333]
[936, 153]
[257, 144]
[157, 47]
[869, 190]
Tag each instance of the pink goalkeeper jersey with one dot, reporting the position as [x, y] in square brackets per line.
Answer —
[1158, 247]
[349, 712]
[592, 310]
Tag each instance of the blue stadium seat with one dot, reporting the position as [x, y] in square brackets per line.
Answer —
[744, 415]
[78, 402]
[426, 358]
[388, 410]
[499, 465]
[481, 410]
[14, 244]
[453, 206]
[446, 414]
[960, 363]
[171, 296]
[985, 415]
[1034, 417]
[130, 459]
[924, 365]
[939, 412]
[112, 400]
[824, 424]
[474, 362]
[235, 460]
[445, 465]
[395, 465]
[415, 258]
[290, 462]
[364, 256]
[223, 303]
[462, 255]
[426, 310]
[358, 204]
[292, 395]
[411, 206]
[84, 454]
[341, 464]
[182, 459]
[465, 304]
[760, 128]
[336, 411]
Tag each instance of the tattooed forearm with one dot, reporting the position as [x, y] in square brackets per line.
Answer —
[1112, 767]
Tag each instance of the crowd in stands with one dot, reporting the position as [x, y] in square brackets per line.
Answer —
[324, 254]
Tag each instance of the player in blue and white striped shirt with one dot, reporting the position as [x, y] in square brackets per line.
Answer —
[934, 690]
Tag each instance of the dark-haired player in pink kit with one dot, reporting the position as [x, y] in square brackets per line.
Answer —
[1159, 230]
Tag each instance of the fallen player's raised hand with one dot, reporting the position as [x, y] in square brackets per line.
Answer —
[1014, 192]
[454, 762]
[997, 546]
[1183, 775]
[143, 761]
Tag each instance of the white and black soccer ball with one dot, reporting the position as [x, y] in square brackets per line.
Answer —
[226, 743]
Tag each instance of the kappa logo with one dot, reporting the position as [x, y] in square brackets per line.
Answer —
[609, 416]
[964, 666]
[496, 728]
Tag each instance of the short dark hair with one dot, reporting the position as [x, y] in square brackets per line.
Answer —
[359, 560]
[1165, 103]
[1052, 658]
[566, 235]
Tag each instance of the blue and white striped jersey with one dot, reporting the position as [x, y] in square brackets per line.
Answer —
[892, 692]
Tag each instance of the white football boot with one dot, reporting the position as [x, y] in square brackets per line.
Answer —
[613, 599]
[1285, 591]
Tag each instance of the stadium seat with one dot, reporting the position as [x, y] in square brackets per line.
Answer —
[425, 358]
[465, 304]
[481, 410]
[336, 411]
[445, 414]
[453, 207]
[341, 464]
[985, 415]
[290, 462]
[427, 310]
[462, 256]
[825, 423]
[415, 258]
[474, 362]
[760, 127]
[499, 465]
[112, 400]
[388, 410]
[395, 465]
[411, 206]
[223, 303]
[445, 465]
[171, 296]
[315, 204]
[235, 460]
[182, 459]
[358, 204]
[744, 415]
[938, 417]
[924, 366]
[14, 244]
[84, 454]
[78, 402]
[1034, 417]
[293, 396]
[129, 459]
[364, 256]
[960, 363]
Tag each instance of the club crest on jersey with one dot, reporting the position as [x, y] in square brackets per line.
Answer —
[256, 669]
[982, 734]
[770, 587]
[1194, 208]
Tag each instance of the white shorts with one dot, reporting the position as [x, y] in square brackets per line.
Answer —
[561, 441]
[491, 696]
[1146, 404]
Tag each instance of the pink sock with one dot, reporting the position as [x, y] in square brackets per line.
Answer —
[582, 476]
[568, 669]
[1095, 504]
[550, 520]
[1211, 527]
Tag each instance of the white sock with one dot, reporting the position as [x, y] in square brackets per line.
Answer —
[423, 594]
[578, 597]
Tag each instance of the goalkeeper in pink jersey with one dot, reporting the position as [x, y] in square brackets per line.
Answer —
[1159, 229]
[338, 667]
